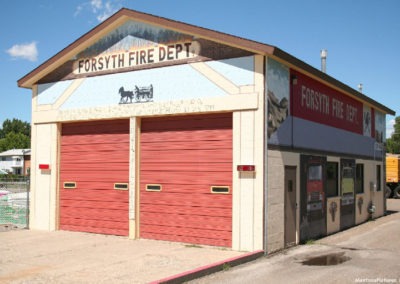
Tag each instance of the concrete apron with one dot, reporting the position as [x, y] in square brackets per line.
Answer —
[73, 257]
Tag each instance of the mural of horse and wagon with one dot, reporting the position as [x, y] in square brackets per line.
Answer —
[139, 94]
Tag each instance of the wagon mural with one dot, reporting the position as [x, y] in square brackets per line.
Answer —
[139, 94]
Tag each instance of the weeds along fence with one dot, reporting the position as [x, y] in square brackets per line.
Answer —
[14, 201]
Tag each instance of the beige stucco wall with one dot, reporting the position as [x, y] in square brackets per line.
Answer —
[277, 161]
[332, 215]
[248, 193]
[246, 102]
[362, 200]
[43, 194]
[370, 192]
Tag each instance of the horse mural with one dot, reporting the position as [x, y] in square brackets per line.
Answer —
[125, 95]
[140, 94]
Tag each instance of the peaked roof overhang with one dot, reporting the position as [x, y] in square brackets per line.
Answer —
[124, 14]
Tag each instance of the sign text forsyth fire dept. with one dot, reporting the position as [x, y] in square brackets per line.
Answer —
[138, 57]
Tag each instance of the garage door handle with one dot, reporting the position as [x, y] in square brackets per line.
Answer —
[70, 185]
[121, 186]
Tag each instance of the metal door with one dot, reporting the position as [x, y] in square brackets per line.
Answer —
[347, 180]
[186, 179]
[94, 177]
[290, 206]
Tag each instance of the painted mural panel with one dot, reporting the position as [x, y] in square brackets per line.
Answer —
[312, 197]
[367, 121]
[239, 71]
[319, 103]
[151, 85]
[49, 93]
[347, 181]
[135, 46]
[380, 127]
[278, 100]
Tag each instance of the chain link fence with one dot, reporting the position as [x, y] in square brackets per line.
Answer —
[14, 202]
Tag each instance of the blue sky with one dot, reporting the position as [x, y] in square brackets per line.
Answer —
[362, 37]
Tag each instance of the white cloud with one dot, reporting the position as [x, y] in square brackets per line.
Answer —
[24, 51]
[102, 10]
[96, 5]
[107, 11]
[78, 10]
[390, 128]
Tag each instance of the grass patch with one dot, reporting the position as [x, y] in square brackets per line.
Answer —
[226, 266]
[193, 246]
[310, 242]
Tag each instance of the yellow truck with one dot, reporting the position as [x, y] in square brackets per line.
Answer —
[393, 175]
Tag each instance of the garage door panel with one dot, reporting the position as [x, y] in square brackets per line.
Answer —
[96, 223]
[105, 175]
[186, 145]
[205, 199]
[189, 232]
[102, 168]
[186, 188]
[97, 148]
[93, 204]
[95, 214]
[187, 167]
[219, 121]
[187, 210]
[93, 139]
[186, 156]
[176, 136]
[100, 193]
[186, 178]
[192, 240]
[97, 230]
[187, 221]
[95, 155]
[94, 127]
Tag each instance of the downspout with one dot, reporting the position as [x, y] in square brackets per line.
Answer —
[265, 246]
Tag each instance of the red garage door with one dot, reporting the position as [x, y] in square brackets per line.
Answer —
[186, 179]
[94, 176]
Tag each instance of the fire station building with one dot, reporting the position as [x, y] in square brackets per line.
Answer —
[150, 128]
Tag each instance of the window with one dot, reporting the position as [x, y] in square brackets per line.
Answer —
[378, 178]
[359, 178]
[3, 158]
[315, 173]
[332, 179]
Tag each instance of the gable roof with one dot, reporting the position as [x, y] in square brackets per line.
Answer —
[245, 44]
[16, 152]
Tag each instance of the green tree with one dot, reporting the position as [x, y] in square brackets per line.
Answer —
[393, 143]
[15, 134]
[14, 141]
[16, 126]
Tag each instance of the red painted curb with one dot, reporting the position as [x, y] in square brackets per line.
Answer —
[210, 268]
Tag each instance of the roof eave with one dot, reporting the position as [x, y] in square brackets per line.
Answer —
[301, 65]
[124, 14]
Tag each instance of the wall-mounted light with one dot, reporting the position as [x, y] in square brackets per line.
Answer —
[246, 168]
[44, 167]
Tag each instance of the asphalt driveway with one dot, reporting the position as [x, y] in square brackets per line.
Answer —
[368, 253]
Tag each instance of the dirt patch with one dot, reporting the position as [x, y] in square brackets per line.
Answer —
[8, 227]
